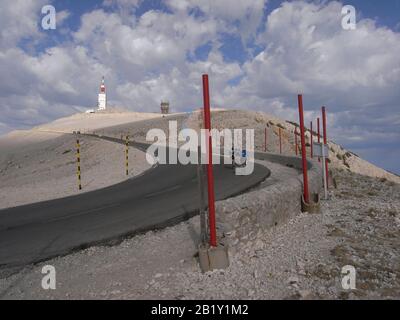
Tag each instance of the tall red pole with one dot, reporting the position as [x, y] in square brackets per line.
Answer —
[280, 140]
[325, 142]
[265, 140]
[295, 141]
[311, 140]
[319, 136]
[210, 175]
[303, 149]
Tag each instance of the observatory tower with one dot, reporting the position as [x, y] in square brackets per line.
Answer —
[164, 107]
[102, 101]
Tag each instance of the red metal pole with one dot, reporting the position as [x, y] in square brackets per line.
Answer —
[311, 140]
[303, 149]
[325, 142]
[210, 175]
[280, 141]
[265, 140]
[295, 141]
[319, 136]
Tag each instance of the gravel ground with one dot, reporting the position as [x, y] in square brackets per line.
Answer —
[298, 260]
[301, 259]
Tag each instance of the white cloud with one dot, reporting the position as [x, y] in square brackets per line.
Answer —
[246, 14]
[307, 51]
[181, 86]
[154, 44]
[124, 8]
[354, 73]
[19, 19]
[122, 4]
[61, 17]
[142, 62]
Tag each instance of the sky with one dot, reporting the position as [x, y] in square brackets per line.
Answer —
[259, 55]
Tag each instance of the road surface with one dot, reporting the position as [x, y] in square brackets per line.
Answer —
[162, 196]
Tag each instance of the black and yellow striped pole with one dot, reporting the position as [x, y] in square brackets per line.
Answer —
[126, 154]
[78, 162]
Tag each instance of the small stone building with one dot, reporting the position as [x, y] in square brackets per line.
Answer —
[164, 107]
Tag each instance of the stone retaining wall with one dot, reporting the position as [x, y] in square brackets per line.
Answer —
[241, 218]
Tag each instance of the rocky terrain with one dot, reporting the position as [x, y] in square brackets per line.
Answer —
[301, 259]
[339, 157]
[259, 121]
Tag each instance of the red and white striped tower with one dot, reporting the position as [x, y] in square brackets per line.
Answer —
[102, 101]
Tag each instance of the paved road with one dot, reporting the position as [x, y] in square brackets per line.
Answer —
[162, 196]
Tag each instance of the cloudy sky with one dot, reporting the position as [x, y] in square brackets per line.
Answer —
[259, 55]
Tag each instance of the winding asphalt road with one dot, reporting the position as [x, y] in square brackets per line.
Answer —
[164, 195]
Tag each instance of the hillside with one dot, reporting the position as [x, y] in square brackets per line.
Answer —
[300, 259]
[28, 157]
[340, 158]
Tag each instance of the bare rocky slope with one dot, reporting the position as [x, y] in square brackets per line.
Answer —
[37, 166]
[339, 157]
[301, 259]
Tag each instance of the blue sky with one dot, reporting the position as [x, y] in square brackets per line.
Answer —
[385, 13]
[259, 55]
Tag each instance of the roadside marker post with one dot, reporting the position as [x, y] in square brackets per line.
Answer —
[211, 256]
[311, 139]
[265, 139]
[303, 150]
[127, 154]
[233, 157]
[295, 141]
[78, 162]
[322, 150]
[210, 174]
[200, 180]
[325, 142]
[308, 204]
[319, 136]
[324, 159]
